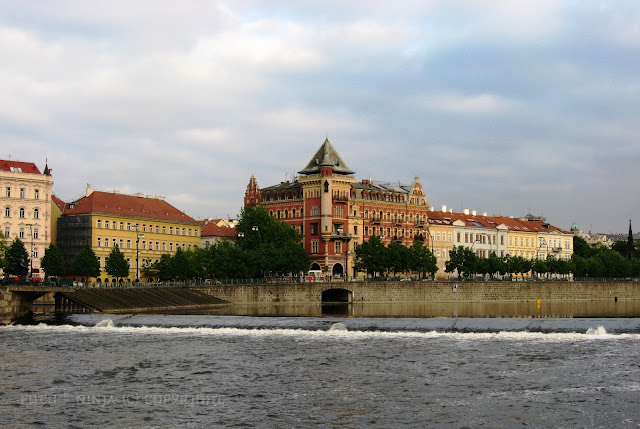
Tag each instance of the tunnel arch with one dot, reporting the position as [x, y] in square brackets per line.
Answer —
[337, 295]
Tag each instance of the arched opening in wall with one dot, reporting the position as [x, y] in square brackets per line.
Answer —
[337, 295]
[315, 267]
[338, 271]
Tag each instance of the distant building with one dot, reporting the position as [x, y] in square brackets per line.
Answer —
[143, 227]
[26, 205]
[595, 237]
[215, 230]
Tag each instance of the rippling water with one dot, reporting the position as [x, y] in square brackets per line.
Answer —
[217, 371]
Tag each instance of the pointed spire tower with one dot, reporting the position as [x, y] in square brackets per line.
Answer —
[630, 243]
[326, 156]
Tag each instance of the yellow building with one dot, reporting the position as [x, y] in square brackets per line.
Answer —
[143, 227]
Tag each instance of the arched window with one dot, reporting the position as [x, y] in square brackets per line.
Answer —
[36, 214]
[7, 211]
[22, 212]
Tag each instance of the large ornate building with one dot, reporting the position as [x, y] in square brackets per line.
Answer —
[334, 212]
[26, 204]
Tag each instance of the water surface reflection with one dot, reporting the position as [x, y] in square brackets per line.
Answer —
[434, 309]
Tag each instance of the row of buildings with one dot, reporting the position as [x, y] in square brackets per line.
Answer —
[142, 226]
[335, 213]
[331, 210]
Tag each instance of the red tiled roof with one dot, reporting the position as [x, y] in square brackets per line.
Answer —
[127, 205]
[25, 167]
[58, 202]
[210, 229]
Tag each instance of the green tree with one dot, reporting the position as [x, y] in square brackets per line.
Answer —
[269, 245]
[227, 261]
[86, 263]
[398, 257]
[371, 257]
[422, 259]
[17, 258]
[180, 265]
[463, 260]
[3, 250]
[163, 267]
[116, 264]
[582, 248]
[53, 262]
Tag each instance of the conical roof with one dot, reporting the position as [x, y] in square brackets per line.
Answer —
[326, 156]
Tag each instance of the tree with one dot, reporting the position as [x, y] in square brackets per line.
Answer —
[86, 263]
[269, 245]
[581, 247]
[181, 266]
[371, 257]
[17, 258]
[463, 260]
[53, 262]
[3, 250]
[398, 257]
[422, 259]
[116, 264]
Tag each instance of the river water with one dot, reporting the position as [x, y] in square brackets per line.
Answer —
[201, 371]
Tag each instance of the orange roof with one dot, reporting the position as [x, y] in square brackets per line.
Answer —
[127, 205]
[58, 202]
[514, 224]
[210, 229]
[25, 167]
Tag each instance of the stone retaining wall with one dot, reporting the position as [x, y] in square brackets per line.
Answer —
[12, 306]
[429, 291]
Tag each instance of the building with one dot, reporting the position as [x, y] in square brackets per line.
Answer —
[213, 231]
[334, 213]
[26, 203]
[142, 226]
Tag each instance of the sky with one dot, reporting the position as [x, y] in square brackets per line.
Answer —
[506, 107]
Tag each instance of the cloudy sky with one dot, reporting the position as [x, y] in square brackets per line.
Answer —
[498, 106]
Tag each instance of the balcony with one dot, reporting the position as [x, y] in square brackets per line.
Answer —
[340, 199]
[375, 221]
[556, 249]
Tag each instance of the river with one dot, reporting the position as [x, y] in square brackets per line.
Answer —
[201, 371]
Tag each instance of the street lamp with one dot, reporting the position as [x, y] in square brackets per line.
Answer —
[136, 228]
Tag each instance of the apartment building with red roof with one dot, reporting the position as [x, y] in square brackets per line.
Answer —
[142, 226]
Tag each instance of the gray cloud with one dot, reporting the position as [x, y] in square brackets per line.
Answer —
[496, 106]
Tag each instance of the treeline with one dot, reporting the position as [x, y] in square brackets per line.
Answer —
[376, 259]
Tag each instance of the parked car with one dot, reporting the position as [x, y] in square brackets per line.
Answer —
[406, 279]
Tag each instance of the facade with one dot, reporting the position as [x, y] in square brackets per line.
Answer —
[26, 207]
[143, 227]
[334, 213]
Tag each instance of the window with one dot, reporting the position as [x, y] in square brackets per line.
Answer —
[450, 239]
[8, 192]
[183, 231]
[99, 241]
[144, 245]
[99, 261]
[338, 246]
[35, 252]
[314, 229]
[106, 224]
[129, 244]
[99, 223]
[122, 243]
[164, 245]
[7, 211]
[157, 229]
[144, 227]
[36, 214]
[315, 211]
[7, 231]
[355, 230]
[164, 229]
[171, 230]
[121, 226]
[36, 194]
[437, 236]
[21, 233]
[22, 191]
[171, 247]
[35, 234]
[22, 212]
[314, 246]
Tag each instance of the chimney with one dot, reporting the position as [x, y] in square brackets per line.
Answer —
[89, 190]
[465, 211]
[443, 209]
[474, 213]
